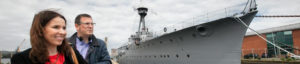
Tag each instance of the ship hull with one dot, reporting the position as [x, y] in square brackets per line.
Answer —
[215, 42]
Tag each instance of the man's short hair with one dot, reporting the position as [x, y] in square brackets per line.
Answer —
[78, 17]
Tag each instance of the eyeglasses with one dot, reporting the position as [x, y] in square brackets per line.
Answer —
[88, 23]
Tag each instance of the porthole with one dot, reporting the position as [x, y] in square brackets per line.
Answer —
[203, 30]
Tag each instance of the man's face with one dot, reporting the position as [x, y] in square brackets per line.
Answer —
[85, 28]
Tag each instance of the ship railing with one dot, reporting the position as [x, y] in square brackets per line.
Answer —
[203, 18]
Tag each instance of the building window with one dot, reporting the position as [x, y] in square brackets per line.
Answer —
[283, 39]
[287, 32]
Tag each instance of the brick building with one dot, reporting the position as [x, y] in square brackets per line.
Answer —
[287, 37]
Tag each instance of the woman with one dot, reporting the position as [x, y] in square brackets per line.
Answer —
[48, 42]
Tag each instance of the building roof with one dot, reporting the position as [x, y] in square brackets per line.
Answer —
[276, 29]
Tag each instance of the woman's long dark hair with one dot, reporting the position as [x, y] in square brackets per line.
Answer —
[39, 52]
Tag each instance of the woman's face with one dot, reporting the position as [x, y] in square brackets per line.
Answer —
[55, 31]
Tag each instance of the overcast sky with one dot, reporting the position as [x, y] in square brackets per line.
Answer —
[117, 19]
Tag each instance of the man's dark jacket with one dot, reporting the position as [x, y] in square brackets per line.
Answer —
[97, 52]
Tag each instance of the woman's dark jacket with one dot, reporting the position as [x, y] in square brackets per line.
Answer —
[23, 58]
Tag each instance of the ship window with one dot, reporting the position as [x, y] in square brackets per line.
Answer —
[168, 56]
[188, 55]
[177, 55]
[154, 56]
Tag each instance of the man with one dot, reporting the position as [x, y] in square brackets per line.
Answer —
[91, 49]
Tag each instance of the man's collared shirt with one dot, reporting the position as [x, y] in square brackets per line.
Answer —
[82, 47]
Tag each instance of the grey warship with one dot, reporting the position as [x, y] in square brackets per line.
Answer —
[215, 42]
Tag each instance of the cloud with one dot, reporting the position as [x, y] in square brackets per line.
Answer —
[278, 7]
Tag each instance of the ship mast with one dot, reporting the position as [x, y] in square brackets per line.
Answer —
[142, 12]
